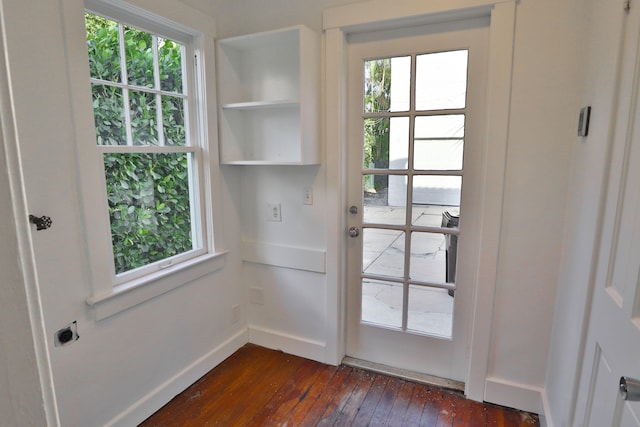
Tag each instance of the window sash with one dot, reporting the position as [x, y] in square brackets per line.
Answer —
[193, 145]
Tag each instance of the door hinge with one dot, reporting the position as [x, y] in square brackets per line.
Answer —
[626, 5]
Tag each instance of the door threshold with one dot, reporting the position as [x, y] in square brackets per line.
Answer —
[404, 374]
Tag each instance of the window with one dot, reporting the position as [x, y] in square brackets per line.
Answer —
[144, 106]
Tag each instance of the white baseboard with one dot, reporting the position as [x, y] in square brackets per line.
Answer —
[513, 395]
[545, 413]
[314, 350]
[158, 397]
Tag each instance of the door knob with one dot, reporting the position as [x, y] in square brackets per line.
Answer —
[354, 232]
[41, 223]
[629, 389]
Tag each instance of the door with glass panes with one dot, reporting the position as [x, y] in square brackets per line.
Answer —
[415, 156]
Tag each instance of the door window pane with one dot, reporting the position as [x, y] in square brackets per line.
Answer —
[383, 252]
[386, 143]
[439, 142]
[437, 190]
[384, 199]
[428, 259]
[382, 302]
[387, 84]
[441, 80]
[430, 311]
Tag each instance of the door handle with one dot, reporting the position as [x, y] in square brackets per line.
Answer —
[630, 389]
[41, 222]
[354, 232]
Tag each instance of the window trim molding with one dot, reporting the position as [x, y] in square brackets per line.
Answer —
[338, 23]
[198, 29]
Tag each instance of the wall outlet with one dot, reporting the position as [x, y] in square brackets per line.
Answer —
[256, 296]
[308, 195]
[273, 212]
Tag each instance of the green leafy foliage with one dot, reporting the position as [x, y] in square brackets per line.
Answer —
[377, 98]
[148, 194]
[148, 207]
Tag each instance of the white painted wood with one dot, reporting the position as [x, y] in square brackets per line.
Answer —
[513, 395]
[501, 45]
[269, 85]
[613, 335]
[498, 105]
[442, 357]
[161, 395]
[298, 258]
[292, 344]
[335, 155]
[27, 393]
[376, 14]
[138, 291]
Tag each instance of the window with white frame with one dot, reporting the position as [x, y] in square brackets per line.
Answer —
[143, 87]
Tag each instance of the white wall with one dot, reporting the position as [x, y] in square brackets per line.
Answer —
[589, 166]
[544, 113]
[545, 103]
[141, 356]
[125, 367]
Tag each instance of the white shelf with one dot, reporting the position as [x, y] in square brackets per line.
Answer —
[268, 92]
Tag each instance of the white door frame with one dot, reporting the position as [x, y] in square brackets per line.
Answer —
[340, 21]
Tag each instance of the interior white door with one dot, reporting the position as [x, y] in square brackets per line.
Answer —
[414, 160]
[613, 338]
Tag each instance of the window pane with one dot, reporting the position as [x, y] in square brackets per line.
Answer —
[380, 207]
[144, 118]
[382, 302]
[103, 48]
[108, 114]
[434, 215]
[441, 80]
[428, 263]
[439, 142]
[386, 143]
[430, 311]
[149, 207]
[173, 120]
[383, 252]
[386, 84]
[139, 53]
[437, 190]
[170, 63]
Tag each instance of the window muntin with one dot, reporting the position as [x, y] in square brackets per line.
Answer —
[141, 100]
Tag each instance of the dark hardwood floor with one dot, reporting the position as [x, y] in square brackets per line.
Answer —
[261, 387]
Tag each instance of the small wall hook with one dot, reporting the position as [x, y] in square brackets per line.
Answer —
[42, 222]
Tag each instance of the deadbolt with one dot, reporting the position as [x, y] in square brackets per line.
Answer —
[353, 209]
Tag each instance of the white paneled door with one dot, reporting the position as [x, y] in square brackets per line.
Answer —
[415, 156]
[613, 339]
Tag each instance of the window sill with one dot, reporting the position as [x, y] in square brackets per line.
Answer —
[125, 296]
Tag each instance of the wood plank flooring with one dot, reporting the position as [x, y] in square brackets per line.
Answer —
[262, 387]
